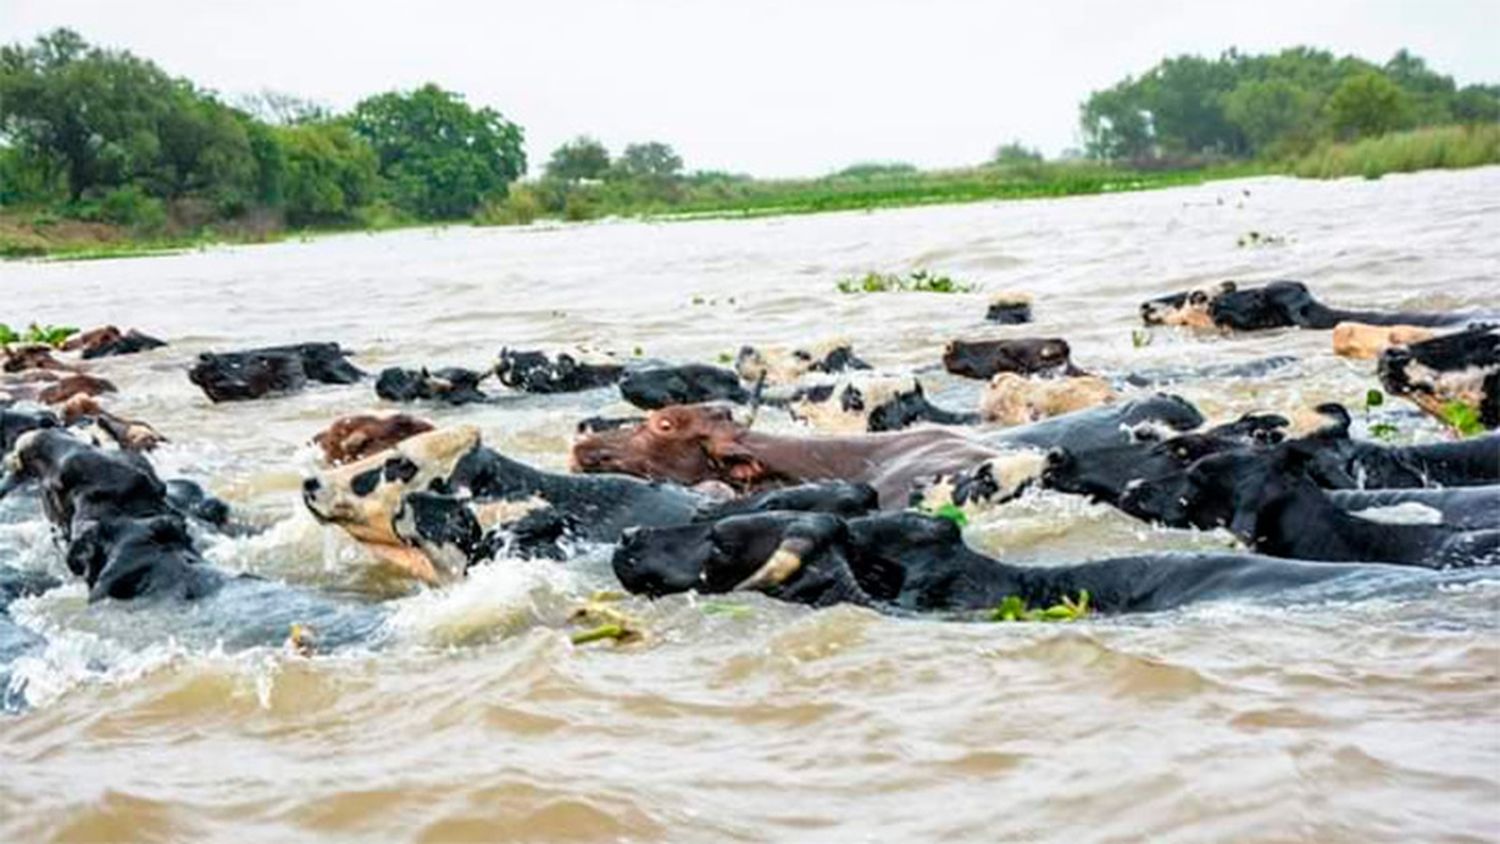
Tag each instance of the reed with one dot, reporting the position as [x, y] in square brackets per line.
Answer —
[1442, 147]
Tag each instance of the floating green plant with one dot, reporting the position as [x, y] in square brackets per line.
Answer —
[918, 281]
[1462, 418]
[48, 335]
[1013, 608]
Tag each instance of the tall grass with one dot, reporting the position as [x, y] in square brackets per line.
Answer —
[758, 197]
[1443, 147]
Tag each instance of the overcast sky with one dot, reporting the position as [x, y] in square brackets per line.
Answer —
[799, 87]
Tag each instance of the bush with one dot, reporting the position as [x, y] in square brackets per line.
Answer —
[131, 206]
[579, 206]
[522, 205]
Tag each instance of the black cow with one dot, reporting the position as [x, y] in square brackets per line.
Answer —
[253, 374]
[1269, 500]
[1454, 371]
[909, 562]
[122, 534]
[1276, 304]
[535, 372]
[984, 359]
[450, 385]
[656, 387]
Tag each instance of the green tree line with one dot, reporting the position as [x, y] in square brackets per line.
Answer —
[103, 134]
[94, 133]
[1272, 106]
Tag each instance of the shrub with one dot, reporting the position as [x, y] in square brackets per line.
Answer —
[579, 206]
[131, 206]
[522, 205]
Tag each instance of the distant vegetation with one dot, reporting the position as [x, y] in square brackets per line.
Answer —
[1271, 107]
[104, 153]
[97, 136]
[1442, 147]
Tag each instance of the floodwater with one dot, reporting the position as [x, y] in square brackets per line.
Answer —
[468, 715]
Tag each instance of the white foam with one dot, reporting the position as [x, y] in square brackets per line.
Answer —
[496, 599]
[1405, 513]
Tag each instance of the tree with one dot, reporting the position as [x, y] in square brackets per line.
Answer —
[95, 120]
[1016, 152]
[1429, 94]
[1115, 124]
[581, 158]
[282, 109]
[651, 160]
[1274, 104]
[1367, 104]
[1269, 112]
[1477, 104]
[330, 172]
[441, 157]
[1184, 97]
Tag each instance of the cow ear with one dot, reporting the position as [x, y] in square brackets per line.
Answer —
[86, 553]
[1244, 524]
[1338, 421]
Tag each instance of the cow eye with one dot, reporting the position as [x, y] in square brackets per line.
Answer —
[400, 469]
[664, 425]
[1197, 297]
[365, 482]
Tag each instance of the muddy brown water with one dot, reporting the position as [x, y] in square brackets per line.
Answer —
[472, 717]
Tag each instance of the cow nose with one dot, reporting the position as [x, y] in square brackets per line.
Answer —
[310, 486]
[588, 456]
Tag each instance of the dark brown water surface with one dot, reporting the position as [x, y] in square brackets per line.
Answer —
[472, 717]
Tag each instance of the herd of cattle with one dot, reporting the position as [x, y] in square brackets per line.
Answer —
[858, 509]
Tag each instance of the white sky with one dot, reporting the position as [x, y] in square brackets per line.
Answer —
[775, 88]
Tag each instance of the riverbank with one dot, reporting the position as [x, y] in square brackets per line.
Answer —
[43, 233]
[46, 234]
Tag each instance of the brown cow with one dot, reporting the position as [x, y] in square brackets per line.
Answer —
[692, 444]
[353, 438]
[1366, 342]
[1012, 399]
[128, 434]
[109, 340]
[33, 356]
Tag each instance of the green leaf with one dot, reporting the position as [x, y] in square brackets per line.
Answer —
[600, 633]
[918, 281]
[1384, 431]
[1374, 398]
[1462, 418]
[1010, 608]
[1013, 608]
[953, 513]
[51, 335]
